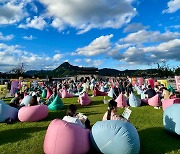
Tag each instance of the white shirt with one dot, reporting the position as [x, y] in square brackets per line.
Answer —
[73, 120]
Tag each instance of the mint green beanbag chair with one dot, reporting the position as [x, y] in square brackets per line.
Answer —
[56, 104]
[7, 111]
[171, 118]
[134, 101]
[115, 137]
[44, 93]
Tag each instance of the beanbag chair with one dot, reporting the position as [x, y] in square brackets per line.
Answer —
[66, 138]
[33, 113]
[7, 111]
[140, 81]
[121, 101]
[57, 104]
[102, 89]
[171, 120]
[96, 92]
[168, 102]
[115, 137]
[26, 100]
[49, 93]
[111, 92]
[65, 94]
[44, 93]
[154, 101]
[177, 79]
[84, 99]
[14, 87]
[151, 82]
[134, 101]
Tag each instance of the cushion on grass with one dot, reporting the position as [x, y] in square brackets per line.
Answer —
[115, 137]
[49, 93]
[14, 87]
[134, 101]
[97, 92]
[140, 81]
[121, 101]
[84, 99]
[154, 101]
[171, 120]
[56, 104]
[44, 93]
[33, 113]
[66, 138]
[102, 89]
[7, 111]
[111, 92]
[168, 102]
[26, 100]
[151, 82]
[65, 94]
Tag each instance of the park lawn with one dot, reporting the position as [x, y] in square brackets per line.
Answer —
[27, 138]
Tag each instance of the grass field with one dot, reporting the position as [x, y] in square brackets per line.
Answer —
[27, 138]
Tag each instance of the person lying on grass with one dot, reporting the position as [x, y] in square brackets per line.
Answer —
[111, 114]
[77, 118]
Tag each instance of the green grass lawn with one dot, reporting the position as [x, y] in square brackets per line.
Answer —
[27, 138]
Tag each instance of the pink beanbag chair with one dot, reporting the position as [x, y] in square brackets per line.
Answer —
[154, 101]
[33, 113]
[84, 99]
[66, 138]
[151, 82]
[97, 92]
[65, 94]
[121, 101]
[49, 93]
[168, 102]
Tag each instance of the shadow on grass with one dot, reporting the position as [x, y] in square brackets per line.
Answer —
[18, 134]
[158, 140]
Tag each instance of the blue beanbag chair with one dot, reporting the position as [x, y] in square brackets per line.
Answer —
[26, 100]
[134, 101]
[111, 92]
[171, 119]
[115, 137]
[7, 111]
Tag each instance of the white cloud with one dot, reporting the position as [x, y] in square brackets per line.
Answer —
[11, 12]
[6, 38]
[29, 37]
[98, 46]
[77, 60]
[147, 55]
[57, 57]
[85, 15]
[57, 23]
[144, 36]
[94, 63]
[36, 22]
[13, 55]
[173, 6]
[134, 27]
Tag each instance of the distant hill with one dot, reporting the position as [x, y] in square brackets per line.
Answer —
[66, 69]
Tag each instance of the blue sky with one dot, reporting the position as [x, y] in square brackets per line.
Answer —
[126, 34]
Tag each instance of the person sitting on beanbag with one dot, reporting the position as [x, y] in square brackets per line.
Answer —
[77, 118]
[15, 102]
[111, 114]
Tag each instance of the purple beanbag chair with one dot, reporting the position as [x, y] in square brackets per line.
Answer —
[84, 99]
[65, 94]
[168, 102]
[121, 101]
[66, 138]
[97, 92]
[49, 93]
[33, 113]
[154, 101]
